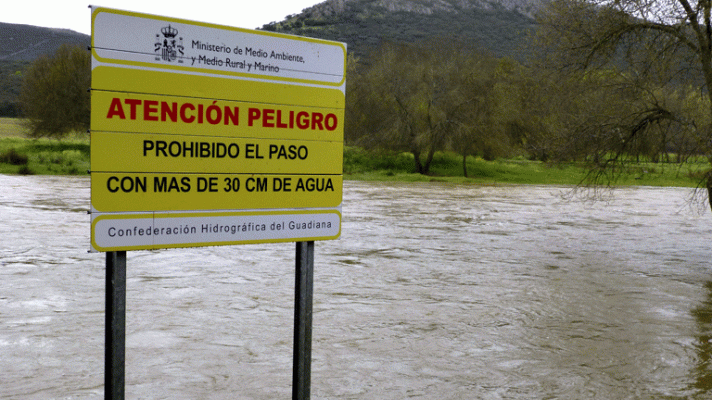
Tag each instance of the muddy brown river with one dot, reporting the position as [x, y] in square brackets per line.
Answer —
[434, 291]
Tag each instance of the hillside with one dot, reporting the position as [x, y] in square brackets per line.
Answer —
[27, 42]
[10, 83]
[21, 45]
[499, 26]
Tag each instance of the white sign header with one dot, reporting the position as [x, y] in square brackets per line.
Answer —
[139, 39]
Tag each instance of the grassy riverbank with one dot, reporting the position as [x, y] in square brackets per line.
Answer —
[447, 167]
[19, 155]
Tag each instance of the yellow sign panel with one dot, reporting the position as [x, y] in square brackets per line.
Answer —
[127, 192]
[129, 112]
[196, 154]
[117, 79]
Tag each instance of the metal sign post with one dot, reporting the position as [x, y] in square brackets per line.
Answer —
[303, 299]
[114, 350]
[115, 345]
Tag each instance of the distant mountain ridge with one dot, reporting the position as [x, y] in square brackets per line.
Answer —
[526, 7]
[22, 44]
[498, 26]
[27, 42]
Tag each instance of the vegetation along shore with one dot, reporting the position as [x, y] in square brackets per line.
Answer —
[71, 156]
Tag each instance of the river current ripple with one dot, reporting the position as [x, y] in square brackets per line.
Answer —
[434, 291]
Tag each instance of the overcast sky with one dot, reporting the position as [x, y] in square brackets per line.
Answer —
[75, 14]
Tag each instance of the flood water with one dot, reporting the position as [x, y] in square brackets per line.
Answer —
[434, 291]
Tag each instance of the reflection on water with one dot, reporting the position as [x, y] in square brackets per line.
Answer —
[703, 369]
[434, 291]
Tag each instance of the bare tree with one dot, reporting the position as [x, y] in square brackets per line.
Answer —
[659, 48]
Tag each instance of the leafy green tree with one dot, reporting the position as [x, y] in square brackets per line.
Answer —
[420, 98]
[55, 95]
[477, 128]
[10, 82]
[528, 106]
[395, 98]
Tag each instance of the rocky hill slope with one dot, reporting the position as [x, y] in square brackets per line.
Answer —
[499, 26]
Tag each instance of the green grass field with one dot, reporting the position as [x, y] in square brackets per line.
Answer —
[19, 155]
[11, 127]
[447, 167]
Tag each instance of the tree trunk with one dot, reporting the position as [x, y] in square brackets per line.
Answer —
[418, 163]
[464, 164]
[429, 159]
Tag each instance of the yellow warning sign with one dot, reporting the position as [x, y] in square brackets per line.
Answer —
[198, 154]
[141, 192]
[217, 121]
[141, 113]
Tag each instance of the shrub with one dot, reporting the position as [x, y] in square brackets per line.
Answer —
[13, 157]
